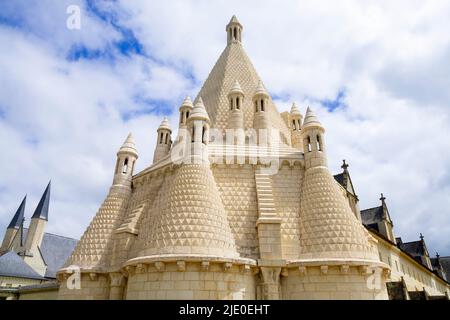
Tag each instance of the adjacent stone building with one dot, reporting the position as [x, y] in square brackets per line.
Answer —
[30, 257]
[240, 204]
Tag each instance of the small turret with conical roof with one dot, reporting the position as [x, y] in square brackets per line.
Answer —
[185, 110]
[164, 140]
[234, 31]
[13, 226]
[312, 134]
[295, 123]
[126, 158]
[198, 125]
[261, 103]
[236, 98]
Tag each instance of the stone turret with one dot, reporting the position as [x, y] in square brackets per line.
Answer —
[236, 100]
[313, 143]
[126, 158]
[234, 31]
[261, 103]
[164, 140]
[198, 130]
[185, 110]
[295, 124]
[14, 226]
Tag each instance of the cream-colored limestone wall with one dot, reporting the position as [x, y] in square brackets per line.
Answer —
[35, 260]
[286, 187]
[192, 283]
[154, 188]
[145, 190]
[236, 185]
[415, 275]
[313, 284]
[13, 282]
[92, 287]
[39, 295]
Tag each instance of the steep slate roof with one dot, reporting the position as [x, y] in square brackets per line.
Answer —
[372, 215]
[414, 248]
[12, 265]
[54, 250]
[41, 211]
[445, 263]
[18, 216]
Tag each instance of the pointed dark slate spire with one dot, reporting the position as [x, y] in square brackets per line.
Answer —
[41, 211]
[18, 217]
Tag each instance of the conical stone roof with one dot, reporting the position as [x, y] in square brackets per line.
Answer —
[188, 218]
[234, 65]
[328, 227]
[129, 146]
[295, 110]
[311, 119]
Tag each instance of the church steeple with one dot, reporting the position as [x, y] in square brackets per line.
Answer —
[14, 226]
[234, 31]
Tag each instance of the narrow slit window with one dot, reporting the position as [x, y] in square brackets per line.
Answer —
[262, 105]
[181, 117]
[237, 103]
[167, 138]
[319, 143]
[231, 104]
[161, 138]
[309, 144]
[234, 34]
[125, 166]
[193, 134]
[187, 114]
[256, 106]
[293, 125]
[204, 135]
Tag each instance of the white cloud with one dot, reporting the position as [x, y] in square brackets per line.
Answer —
[389, 58]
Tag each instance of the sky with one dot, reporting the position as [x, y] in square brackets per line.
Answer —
[375, 72]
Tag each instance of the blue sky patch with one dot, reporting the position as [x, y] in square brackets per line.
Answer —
[337, 102]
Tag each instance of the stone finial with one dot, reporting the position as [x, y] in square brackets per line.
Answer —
[165, 125]
[261, 90]
[311, 119]
[382, 198]
[295, 110]
[199, 111]
[236, 88]
[187, 102]
[129, 146]
[421, 237]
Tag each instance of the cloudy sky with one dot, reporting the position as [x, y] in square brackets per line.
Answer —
[377, 73]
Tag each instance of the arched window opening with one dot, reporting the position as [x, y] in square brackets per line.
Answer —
[256, 106]
[182, 117]
[262, 105]
[308, 141]
[237, 103]
[187, 114]
[125, 166]
[299, 126]
[319, 143]
[231, 104]
[193, 134]
[293, 125]
[167, 138]
[234, 34]
[161, 138]
[204, 135]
